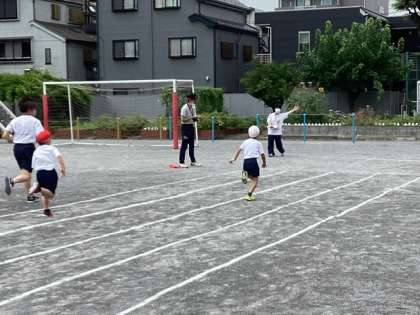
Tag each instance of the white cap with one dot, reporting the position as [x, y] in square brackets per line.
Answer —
[253, 132]
[278, 110]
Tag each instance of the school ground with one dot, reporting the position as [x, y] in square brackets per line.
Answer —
[335, 230]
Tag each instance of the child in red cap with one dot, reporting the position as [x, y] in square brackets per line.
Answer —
[44, 163]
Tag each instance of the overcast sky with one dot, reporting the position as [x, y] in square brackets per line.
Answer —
[266, 5]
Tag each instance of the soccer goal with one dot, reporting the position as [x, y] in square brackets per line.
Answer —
[114, 112]
[418, 98]
[6, 115]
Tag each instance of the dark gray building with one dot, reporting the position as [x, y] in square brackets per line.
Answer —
[209, 41]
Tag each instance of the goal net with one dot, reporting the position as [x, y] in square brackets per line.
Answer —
[6, 115]
[114, 112]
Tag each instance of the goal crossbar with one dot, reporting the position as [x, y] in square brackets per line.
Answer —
[68, 84]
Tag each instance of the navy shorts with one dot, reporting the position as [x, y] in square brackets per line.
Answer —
[251, 167]
[23, 155]
[47, 180]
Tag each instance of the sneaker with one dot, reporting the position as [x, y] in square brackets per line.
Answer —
[48, 213]
[183, 165]
[195, 164]
[8, 185]
[34, 189]
[31, 199]
[282, 155]
[271, 155]
[250, 198]
[244, 177]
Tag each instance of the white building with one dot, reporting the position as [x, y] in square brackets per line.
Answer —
[51, 35]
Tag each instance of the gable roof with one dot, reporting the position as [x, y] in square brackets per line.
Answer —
[68, 32]
[230, 26]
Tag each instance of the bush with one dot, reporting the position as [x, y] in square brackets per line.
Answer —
[209, 99]
[130, 124]
[224, 121]
[311, 102]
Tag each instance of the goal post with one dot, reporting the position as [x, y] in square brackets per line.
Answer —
[139, 93]
[6, 116]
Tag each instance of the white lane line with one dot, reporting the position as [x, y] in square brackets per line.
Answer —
[149, 202]
[138, 227]
[157, 249]
[393, 160]
[256, 251]
[120, 194]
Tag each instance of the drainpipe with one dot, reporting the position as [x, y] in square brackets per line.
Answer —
[153, 39]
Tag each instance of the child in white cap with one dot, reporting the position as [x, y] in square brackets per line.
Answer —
[252, 150]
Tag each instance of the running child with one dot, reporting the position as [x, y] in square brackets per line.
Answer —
[23, 129]
[44, 163]
[252, 149]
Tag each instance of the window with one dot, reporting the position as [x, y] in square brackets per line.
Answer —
[326, 2]
[55, 12]
[15, 50]
[76, 16]
[126, 49]
[304, 41]
[182, 47]
[8, 9]
[229, 50]
[302, 3]
[167, 4]
[248, 53]
[124, 5]
[47, 56]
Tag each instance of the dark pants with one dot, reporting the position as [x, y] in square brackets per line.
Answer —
[188, 138]
[23, 155]
[279, 144]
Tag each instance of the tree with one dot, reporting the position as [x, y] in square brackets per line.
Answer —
[356, 60]
[271, 83]
[412, 6]
[14, 86]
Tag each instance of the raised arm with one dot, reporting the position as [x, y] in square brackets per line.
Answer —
[296, 108]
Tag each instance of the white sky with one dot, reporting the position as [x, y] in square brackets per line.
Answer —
[266, 5]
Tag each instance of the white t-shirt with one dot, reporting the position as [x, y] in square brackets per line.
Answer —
[276, 121]
[45, 158]
[188, 112]
[24, 129]
[252, 148]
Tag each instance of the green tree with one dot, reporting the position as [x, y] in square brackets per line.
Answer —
[356, 60]
[14, 86]
[411, 6]
[271, 83]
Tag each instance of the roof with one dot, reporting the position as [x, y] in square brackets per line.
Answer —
[69, 32]
[401, 22]
[233, 4]
[212, 22]
[79, 2]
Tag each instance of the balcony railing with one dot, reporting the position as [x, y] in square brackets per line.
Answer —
[264, 58]
[315, 6]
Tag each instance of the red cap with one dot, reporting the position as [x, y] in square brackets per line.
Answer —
[43, 136]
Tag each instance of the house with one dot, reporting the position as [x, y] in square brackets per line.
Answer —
[51, 35]
[209, 41]
[291, 29]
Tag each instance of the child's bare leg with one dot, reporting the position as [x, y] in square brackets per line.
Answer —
[46, 197]
[254, 184]
[25, 178]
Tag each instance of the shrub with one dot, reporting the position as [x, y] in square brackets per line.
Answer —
[311, 102]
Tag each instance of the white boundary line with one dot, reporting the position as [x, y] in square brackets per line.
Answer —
[157, 249]
[134, 205]
[138, 227]
[256, 251]
[393, 160]
[119, 194]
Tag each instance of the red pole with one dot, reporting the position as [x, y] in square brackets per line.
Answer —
[175, 120]
[45, 110]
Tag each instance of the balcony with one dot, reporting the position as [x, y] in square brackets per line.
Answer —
[264, 58]
[306, 4]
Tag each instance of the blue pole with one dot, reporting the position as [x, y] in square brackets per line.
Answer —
[353, 128]
[213, 129]
[257, 118]
[170, 127]
[305, 127]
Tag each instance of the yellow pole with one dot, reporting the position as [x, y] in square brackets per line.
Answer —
[118, 128]
[78, 128]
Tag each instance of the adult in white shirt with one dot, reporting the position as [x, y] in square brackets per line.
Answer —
[275, 130]
[188, 118]
[23, 129]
